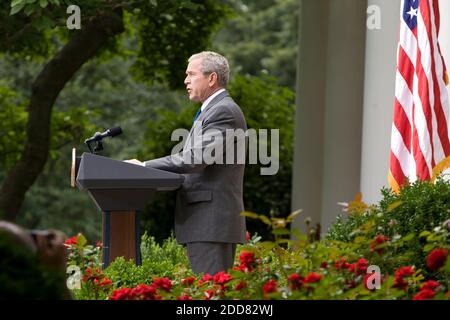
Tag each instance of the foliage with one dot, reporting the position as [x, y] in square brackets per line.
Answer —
[82, 254]
[169, 251]
[37, 28]
[162, 260]
[67, 127]
[420, 206]
[363, 268]
[261, 39]
[169, 33]
[13, 119]
[265, 106]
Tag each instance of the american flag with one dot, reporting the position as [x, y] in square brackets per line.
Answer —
[420, 146]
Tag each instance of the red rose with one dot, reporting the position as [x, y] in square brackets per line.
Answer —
[425, 294]
[379, 239]
[341, 264]
[145, 292]
[324, 265]
[184, 297]
[351, 284]
[430, 285]
[270, 286]
[103, 282]
[122, 294]
[188, 281]
[221, 277]
[71, 241]
[399, 276]
[436, 259]
[245, 268]
[247, 261]
[361, 266]
[247, 257]
[209, 294]
[295, 281]
[351, 267]
[242, 284]
[92, 274]
[99, 244]
[163, 283]
[312, 278]
[207, 277]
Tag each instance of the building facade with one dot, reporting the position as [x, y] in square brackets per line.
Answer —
[344, 105]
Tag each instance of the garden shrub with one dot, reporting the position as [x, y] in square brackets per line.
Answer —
[376, 259]
[420, 206]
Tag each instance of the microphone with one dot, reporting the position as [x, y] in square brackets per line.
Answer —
[98, 136]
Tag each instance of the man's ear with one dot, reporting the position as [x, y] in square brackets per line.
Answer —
[212, 79]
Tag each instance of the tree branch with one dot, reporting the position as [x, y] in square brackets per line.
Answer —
[83, 46]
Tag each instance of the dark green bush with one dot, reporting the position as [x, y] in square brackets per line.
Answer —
[157, 261]
[418, 207]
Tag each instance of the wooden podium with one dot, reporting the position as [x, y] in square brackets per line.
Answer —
[121, 191]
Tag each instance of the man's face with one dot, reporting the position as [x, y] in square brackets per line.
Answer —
[197, 85]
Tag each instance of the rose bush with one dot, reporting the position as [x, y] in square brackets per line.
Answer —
[374, 262]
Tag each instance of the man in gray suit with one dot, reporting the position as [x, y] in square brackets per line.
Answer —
[209, 203]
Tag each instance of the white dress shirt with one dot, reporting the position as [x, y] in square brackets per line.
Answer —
[207, 101]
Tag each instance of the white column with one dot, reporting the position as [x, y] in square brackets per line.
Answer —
[310, 105]
[343, 106]
[330, 77]
[379, 89]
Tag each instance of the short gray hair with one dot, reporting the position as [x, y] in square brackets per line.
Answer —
[214, 62]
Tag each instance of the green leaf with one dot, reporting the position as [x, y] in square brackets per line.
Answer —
[281, 232]
[283, 241]
[394, 205]
[81, 240]
[447, 266]
[249, 214]
[16, 8]
[267, 245]
[189, 5]
[43, 3]
[428, 247]
[408, 237]
[30, 9]
[293, 215]
[16, 2]
[43, 23]
[360, 240]
[266, 220]
[424, 234]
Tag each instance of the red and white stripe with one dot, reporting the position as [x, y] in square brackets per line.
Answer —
[420, 144]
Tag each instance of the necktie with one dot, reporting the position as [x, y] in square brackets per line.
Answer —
[197, 114]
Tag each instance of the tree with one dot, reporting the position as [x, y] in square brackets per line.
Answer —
[166, 32]
[261, 39]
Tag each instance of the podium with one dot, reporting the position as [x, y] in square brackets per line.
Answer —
[120, 191]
